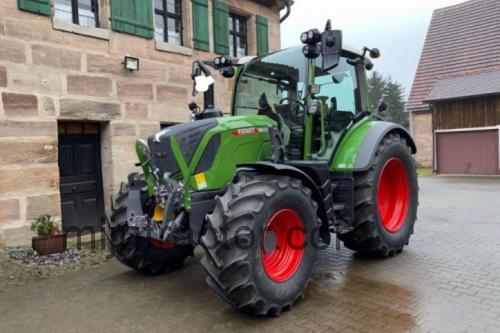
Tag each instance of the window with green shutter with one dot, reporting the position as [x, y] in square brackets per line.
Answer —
[41, 7]
[200, 25]
[133, 17]
[262, 35]
[221, 27]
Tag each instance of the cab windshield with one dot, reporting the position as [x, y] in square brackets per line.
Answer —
[274, 86]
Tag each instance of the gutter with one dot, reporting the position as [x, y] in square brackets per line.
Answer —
[288, 4]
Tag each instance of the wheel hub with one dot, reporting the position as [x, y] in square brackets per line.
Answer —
[393, 195]
[283, 245]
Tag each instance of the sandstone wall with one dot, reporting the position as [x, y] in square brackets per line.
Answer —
[52, 71]
[422, 133]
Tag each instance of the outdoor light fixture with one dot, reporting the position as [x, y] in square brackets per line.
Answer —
[131, 64]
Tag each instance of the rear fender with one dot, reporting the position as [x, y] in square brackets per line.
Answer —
[357, 149]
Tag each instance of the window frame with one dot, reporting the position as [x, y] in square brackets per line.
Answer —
[165, 14]
[234, 34]
[75, 17]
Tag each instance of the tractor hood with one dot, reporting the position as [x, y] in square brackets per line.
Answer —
[206, 135]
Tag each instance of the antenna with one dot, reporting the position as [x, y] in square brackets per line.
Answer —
[328, 25]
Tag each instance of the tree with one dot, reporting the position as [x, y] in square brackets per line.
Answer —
[390, 92]
[376, 86]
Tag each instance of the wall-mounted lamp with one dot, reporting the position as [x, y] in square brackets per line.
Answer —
[131, 64]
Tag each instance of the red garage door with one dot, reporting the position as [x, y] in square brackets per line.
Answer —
[473, 153]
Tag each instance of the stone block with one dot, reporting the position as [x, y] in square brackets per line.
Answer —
[19, 105]
[167, 93]
[127, 44]
[145, 130]
[89, 85]
[173, 112]
[3, 76]
[142, 91]
[2, 22]
[28, 152]
[29, 179]
[20, 236]
[56, 57]
[98, 63]
[85, 42]
[43, 204]
[48, 106]
[28, 128]
[180, 75]
[29, 79]
[123, 150]
[9, 210]
[32, 29]
[12, 51]
[138, 111]
[120, 129]
[80, 109]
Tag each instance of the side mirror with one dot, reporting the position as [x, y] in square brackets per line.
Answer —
[227, 72]
[331, 46]
[374, 53]
[382, 107]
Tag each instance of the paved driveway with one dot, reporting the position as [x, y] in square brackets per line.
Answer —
[447, 280]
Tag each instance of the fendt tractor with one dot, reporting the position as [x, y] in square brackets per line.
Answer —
[262, 191]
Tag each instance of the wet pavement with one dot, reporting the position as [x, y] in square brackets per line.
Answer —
[447, 280]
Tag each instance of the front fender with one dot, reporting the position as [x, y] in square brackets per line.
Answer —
[294, 172]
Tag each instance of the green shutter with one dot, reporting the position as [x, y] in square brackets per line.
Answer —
[200, 25]
[262, 35]
[221, 27]
[41, 7]
[133, 17]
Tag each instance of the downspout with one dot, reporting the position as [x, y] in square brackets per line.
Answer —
[288, 4]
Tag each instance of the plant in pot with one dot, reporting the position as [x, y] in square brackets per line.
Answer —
[49, 237]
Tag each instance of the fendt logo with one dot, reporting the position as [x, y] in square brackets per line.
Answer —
[245, 131]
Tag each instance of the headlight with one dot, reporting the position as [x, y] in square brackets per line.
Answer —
[144, 148]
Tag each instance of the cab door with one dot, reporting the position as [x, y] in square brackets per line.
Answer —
[341, 100]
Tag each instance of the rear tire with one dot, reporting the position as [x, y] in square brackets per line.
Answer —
[137, 252]
[247, 263]
[385, 201]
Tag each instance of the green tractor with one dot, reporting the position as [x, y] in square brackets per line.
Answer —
[261, 191]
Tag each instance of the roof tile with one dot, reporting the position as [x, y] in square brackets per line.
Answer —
[462, 40]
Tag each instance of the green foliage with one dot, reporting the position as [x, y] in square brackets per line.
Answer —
[390, 92]
[44, 225]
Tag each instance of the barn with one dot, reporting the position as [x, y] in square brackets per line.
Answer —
[455, 99]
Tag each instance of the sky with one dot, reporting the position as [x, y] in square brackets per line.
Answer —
[397, 27]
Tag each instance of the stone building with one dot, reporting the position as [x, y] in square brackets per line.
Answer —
[70, 112]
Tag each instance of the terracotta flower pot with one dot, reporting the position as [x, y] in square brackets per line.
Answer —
[49, 245]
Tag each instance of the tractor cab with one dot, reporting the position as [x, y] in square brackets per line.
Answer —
[276, 86]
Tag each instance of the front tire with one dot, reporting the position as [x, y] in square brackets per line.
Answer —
[142, 254]
[253, 254]
[385, 201]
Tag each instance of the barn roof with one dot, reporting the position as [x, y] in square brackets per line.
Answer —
[461, 40]
[465, 86]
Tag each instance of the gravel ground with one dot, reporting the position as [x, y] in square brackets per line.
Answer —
[20, 266]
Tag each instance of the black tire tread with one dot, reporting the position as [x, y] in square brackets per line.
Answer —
[224, 268]
[133, 251]
[365, 238]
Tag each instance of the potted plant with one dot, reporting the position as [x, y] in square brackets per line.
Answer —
[49, 238]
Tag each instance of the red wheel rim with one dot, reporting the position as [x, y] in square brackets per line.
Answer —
[285, 230]
[393, 195]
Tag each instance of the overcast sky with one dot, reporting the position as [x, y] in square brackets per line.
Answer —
[396, 27]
